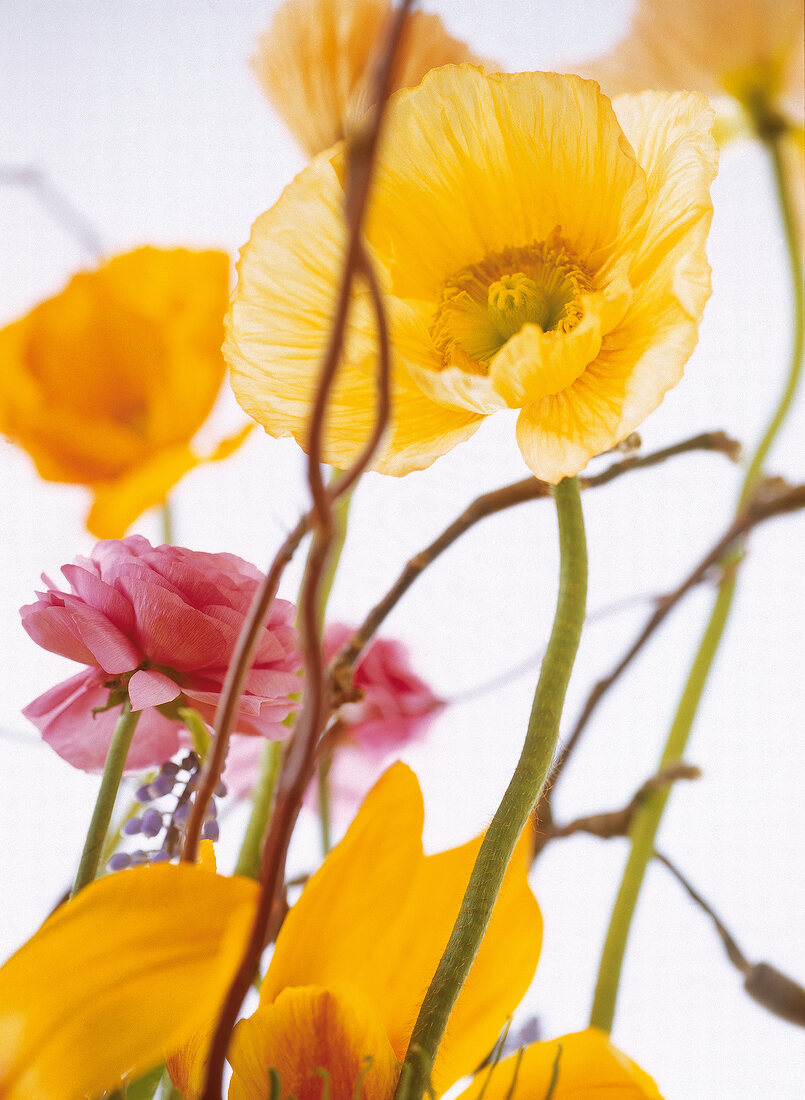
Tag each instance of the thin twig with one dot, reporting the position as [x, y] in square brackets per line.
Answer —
[772, 498]
[60, 208]
[764, 983]
[614, 823]
[489, 504]
[300, 760]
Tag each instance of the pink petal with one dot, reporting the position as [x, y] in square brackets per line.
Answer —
[111, 649]
[64, 717]
[103, 596]
[54, 629]
[173, 634]
[149, 688]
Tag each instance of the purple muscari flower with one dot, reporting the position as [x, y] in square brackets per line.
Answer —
[131, 828]
[161, 857]
[170, 768]
[162, 785]
[119, 861]
[210, 831]
[143, 794]
[182, 813]
[151, 822]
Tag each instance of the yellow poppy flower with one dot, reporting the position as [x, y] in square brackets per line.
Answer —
[106, 384]
[315, 63]
[358, 950]
[539, 251]
[129, 969]
[750, 49]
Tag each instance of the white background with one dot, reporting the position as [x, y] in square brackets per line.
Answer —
[147, 116]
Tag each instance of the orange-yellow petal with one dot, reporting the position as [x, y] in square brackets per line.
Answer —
[316, 62]
[133, 966]
[349, 903]
[502, 971]
[117, 504]
[311, 1036]
[110, 379]
[589, 1068]
[377, 916]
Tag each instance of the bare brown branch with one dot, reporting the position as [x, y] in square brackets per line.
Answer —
[489, 504]
[773, 497]
[614, 822]
[299, 762]
[764, 983]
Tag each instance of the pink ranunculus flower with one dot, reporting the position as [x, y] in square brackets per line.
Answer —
[161, 624]
[396, 710]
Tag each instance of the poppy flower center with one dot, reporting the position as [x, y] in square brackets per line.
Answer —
[487, 303]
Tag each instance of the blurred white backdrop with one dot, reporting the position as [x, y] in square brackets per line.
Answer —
[148, 117]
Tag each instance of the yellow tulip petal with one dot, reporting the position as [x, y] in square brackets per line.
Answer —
[335, 1030]
[133, 966]
[354, 896]
[378, 914]
[500, 975]
[590, 1068]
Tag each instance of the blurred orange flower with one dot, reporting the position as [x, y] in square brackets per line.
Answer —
[315, 63]
[106, 384]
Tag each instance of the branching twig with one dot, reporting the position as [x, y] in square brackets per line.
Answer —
[765, 984]
[773, 497]
[489, 504]
[615, 822]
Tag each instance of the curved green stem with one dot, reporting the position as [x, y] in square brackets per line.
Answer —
[105, 802]
[511, 816]
[340, 513]
[166, 515]
[795, 370]
[647, 820]
[262, 800]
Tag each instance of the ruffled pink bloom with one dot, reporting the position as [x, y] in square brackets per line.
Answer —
[160, 622]
[396, 710]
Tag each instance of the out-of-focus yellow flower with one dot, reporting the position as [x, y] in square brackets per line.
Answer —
[316, 62]
[539, 251]
[130, 969]
[358, 950]
[106, 384]
[589, 1067]
[750, 49]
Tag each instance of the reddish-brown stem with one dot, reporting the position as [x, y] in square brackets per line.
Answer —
[300, 760]
[362, 149]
